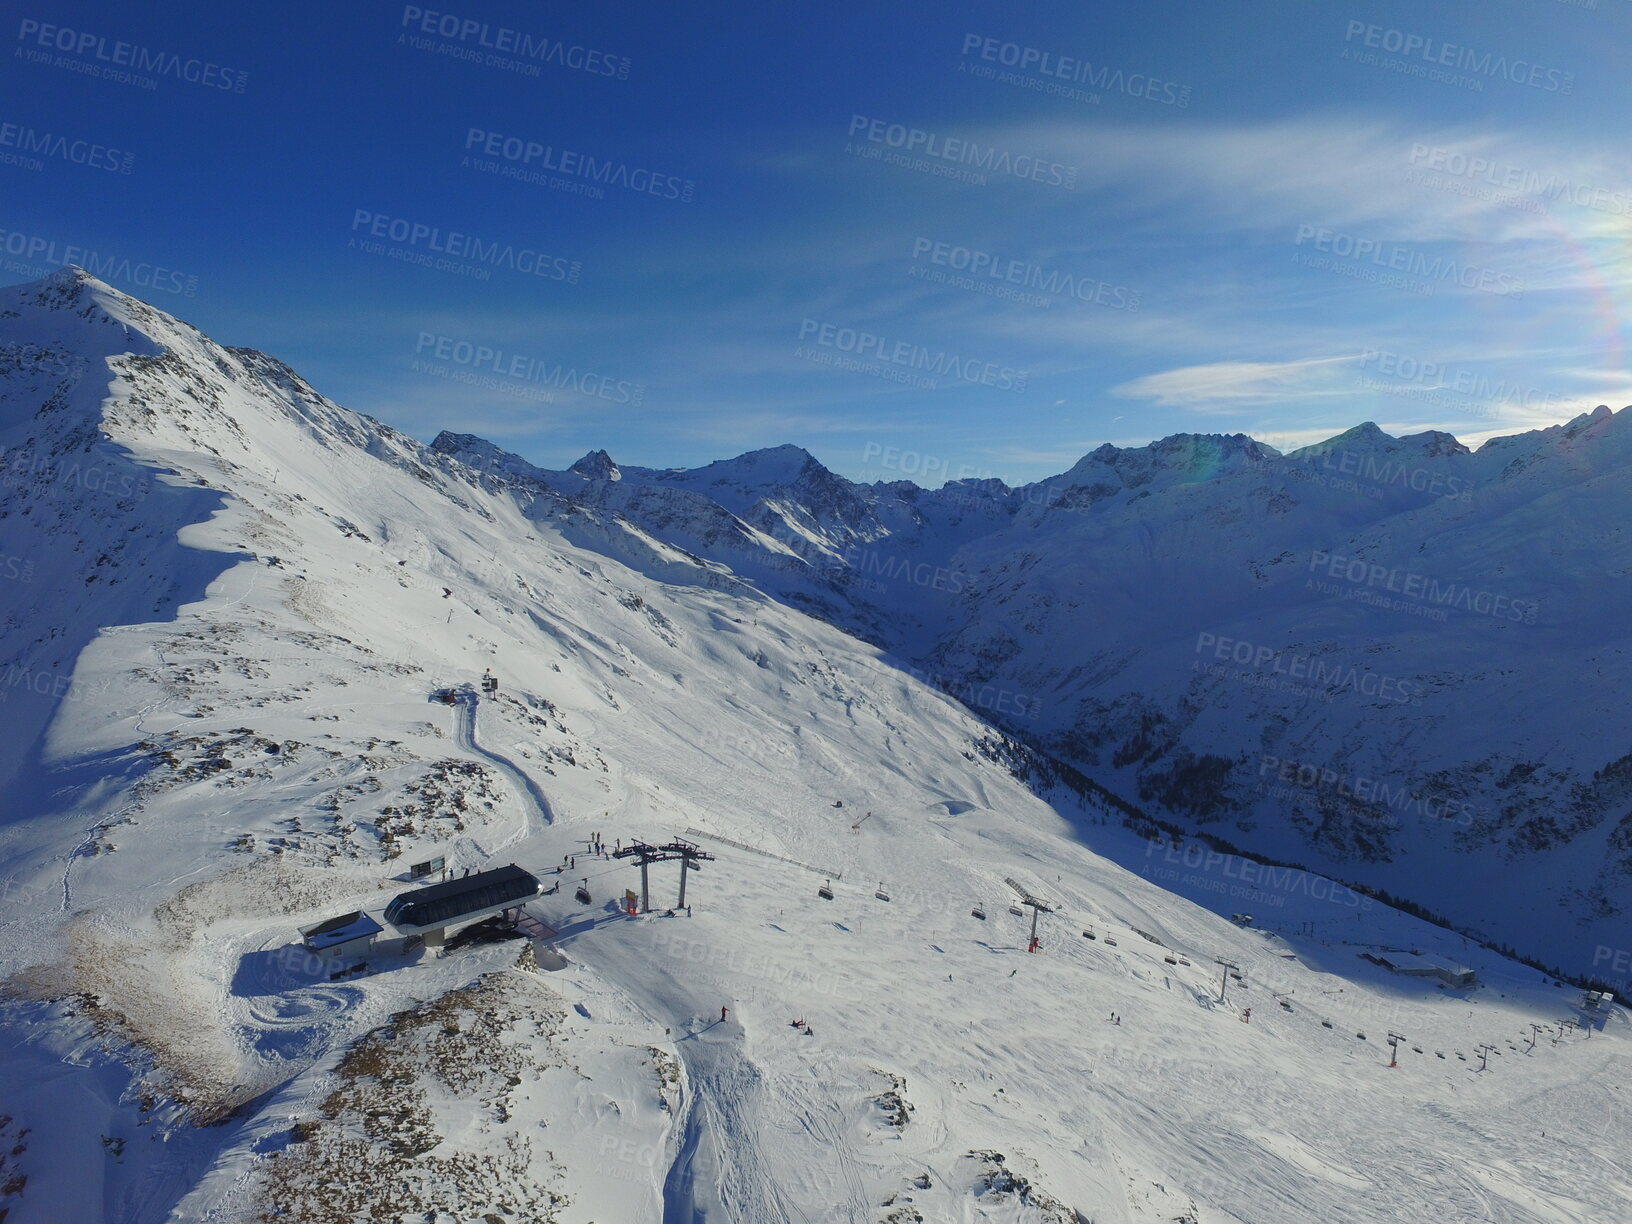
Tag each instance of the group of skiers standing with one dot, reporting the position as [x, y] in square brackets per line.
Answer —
[597, 847]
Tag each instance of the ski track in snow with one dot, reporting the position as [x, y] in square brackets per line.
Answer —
[78, 851]
[538, 813]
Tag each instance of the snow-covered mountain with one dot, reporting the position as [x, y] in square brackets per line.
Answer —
[226, 607]
[1392, 659]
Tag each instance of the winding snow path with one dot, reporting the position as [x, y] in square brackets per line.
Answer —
[540, 814]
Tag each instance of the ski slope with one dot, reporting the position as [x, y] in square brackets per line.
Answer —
[1392, 659]
[247, 741]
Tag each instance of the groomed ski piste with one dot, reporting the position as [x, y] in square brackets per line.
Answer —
[246, 740]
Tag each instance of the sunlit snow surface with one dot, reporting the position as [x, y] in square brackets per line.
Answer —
[249, 609]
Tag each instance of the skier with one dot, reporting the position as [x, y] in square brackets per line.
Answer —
[722, 1015]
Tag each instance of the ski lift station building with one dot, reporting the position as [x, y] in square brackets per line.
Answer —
[342, 938]
[428, 912]
[1426, 965]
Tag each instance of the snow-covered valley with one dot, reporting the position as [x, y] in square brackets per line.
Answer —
[1390, 659]
[227, 605]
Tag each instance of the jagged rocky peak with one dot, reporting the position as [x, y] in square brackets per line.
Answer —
[484, 456]
[597, 465]
[468, 448]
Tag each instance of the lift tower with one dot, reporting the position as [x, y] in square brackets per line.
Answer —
[689, 854]
[1037, 907]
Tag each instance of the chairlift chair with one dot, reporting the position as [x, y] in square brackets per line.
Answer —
[978, 912]
[881, 894]
[583, 893]
[825, 892]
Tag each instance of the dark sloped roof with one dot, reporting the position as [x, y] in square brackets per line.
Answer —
[453, 888]
[338, 930]
[446, 902]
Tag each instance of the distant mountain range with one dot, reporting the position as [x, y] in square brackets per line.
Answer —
[1395, 659]
[1391, 659]
[230, 609]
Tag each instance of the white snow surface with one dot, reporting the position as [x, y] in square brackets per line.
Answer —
[1390, 659]
[219, 670]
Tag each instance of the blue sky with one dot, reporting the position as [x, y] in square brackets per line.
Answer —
[917, 239]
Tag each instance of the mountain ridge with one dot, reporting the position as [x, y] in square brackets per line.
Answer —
[223, 678]
[1384, 557]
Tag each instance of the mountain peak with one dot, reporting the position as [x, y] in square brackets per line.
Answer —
[70, 286]
[771, 465]
[597, 465]
[785, 453]
[1366, 431]
[73, 309]
[69, 275]
[1367, 436]
[475, 452]
[1190, 456]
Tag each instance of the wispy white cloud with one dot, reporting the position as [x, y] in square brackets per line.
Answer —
[1227, 386]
